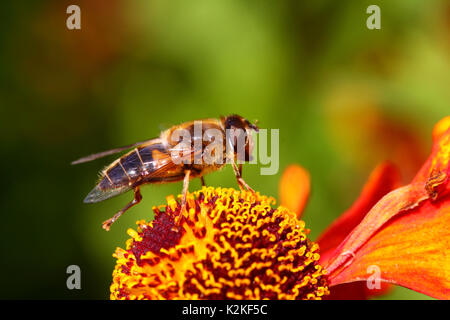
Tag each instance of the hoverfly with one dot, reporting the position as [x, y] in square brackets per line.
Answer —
[169, 158]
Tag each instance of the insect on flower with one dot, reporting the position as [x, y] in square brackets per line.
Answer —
[189, 150]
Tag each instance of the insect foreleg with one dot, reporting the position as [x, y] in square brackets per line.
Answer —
[137, 198]
[187, 174]
[202, 179]
[239, 179]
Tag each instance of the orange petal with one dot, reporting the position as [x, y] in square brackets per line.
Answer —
[294, 188]
[383, 179]
[411, 251]
[425, 195]
[395, 202]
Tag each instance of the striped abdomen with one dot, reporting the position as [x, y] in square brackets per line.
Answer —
[128, 171]
[130, 167]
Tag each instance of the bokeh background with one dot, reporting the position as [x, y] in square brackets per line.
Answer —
[344, 98]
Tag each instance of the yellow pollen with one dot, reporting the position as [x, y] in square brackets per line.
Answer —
[229, 245]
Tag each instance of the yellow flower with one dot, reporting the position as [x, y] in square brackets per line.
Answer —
[228, 245]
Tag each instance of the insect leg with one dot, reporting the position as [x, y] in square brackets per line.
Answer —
[240, 181]
[187, 174]
[137, 198]
[202, 179]
[185, 189]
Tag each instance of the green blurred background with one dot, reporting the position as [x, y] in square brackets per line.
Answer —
[344, 98]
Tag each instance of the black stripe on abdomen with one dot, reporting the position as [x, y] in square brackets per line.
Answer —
[128, 168]
[117, 175]
[146, 154]
[132, 165]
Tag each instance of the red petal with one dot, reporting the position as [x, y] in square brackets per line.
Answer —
[357, 290]
[382, 180]
[294, 188]
[348, 291]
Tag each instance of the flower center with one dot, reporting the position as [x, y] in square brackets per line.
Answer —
[229, 245]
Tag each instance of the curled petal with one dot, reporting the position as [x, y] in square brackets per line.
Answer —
[383, 179]
[405, 231]
[397, 201]
[294, 189]
[411, 250]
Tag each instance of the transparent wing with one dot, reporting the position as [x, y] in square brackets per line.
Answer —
[150, 163]
[98, 194]
[108, 152]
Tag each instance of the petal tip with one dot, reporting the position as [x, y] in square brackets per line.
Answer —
[294, 188]
[441, 127]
